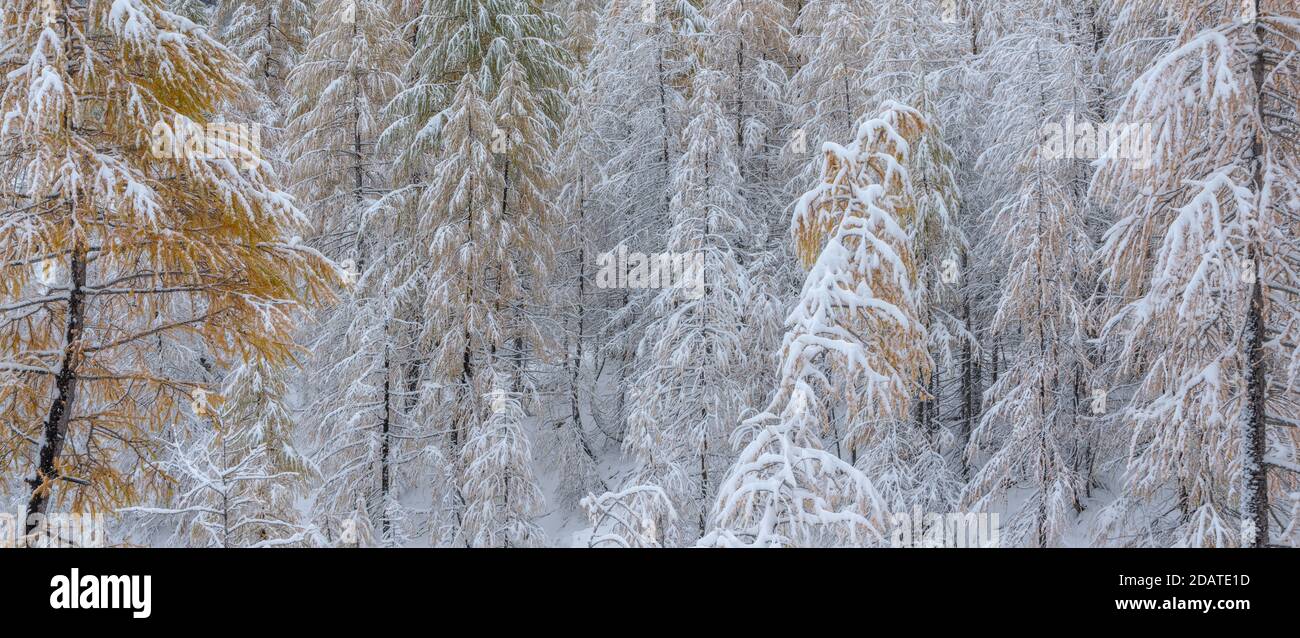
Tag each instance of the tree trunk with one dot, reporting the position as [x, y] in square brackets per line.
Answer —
[1254, 506]
[967, 384]
[1254, 498]
[385, 481]
[65, 394]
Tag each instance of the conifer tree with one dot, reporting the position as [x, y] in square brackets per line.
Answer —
[347, 73]
[578, 160]
[344, 78]
[1200, 265]
[473, 181]
[827, 91]
[688, 394]
[641, 66]
[501, 494]
[196, 11]
[639, 516]
[1032, 431]
[855, 333]
[235, 475]
[120, 231]
[269, 35]
[748, 44]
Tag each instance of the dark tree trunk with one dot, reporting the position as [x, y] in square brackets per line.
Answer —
[385, 479]
[65, 394]
[1254, 510]
[967, 393]
[1254, 499]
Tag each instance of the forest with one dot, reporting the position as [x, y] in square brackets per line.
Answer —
[651, 273]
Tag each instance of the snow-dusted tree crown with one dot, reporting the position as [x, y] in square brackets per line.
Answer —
[652, 273]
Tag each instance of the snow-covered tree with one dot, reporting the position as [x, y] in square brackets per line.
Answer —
[692, 358]
[639, 516]
[857, 56]
[235, 474]
[465, 238]
[268, 36]
[124, 228]
[347, 73]
[473, 132]
[747, 43]
[1201, 269]
[501, 495]
[364, 443]
[579, 159]
[256, 399]
[640, 70]
[196, 11]
[827, 91]
[855, 334]
[580, 19]
[1031, 436]
[786, 490]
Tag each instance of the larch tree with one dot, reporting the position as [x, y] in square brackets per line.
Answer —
[464, 318]
[501, 492]
[1034, 438]
[1201, 266]
[748, 43]
[474, 130]
[827, 91]
[235, 475]
[347, 74]
[906, 460]
[524, 108]
[692, 359]
[368, 448]
[641, 69]
[122, 228]
[343, 80]
[459, 206]
[267, 42]
[269, 35]
[855, 333]
[578, 158]
[502, 499]
[256, 413]
[196, 11]
[638, 516]
[857, 56]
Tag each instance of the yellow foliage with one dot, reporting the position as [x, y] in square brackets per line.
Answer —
[176, 251]
[858, 183]
[869, 167]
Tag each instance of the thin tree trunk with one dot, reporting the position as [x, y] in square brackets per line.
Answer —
[1254, 505]
[65, 394]
[575, 352]
[225, 495]
[1254, 508]
[967, 383]
[385, 480]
